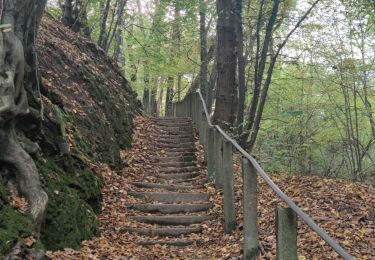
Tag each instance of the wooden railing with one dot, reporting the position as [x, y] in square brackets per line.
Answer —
[218, 149]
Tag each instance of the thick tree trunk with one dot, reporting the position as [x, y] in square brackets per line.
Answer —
[68, 13]
[226, 64]
[117, 30]
[154, 103]
[203, 47]
[241, 67]
[102, 41]
[146, 100]
[17, 42]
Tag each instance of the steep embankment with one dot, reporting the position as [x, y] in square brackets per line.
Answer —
[85, 117]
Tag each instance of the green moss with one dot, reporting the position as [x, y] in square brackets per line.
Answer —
[13, 224]
[73, 199]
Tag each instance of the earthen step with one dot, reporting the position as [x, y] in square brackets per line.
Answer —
[174, 187]
[173, 220]
[167, 231]
[178, 243]
[179, 176]
[170, 208]
[172, 197]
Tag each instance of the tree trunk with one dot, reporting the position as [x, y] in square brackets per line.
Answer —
[146, 100]
[226, 64]
[118, 32]
[17, 71]
[203, 47]
[102, 41]
[241, 67]
[169, 97]
[154, 103]
[67, 19]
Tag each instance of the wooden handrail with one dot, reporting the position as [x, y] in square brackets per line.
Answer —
[299, 212]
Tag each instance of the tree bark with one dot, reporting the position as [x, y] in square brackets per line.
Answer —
[67, 19]
[102, 41]
[203, 48]
[118, 32]
[169, 96]
[241, 67]
[17, 72]
[226, 64]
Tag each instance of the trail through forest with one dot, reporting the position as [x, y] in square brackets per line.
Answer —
[342, 208]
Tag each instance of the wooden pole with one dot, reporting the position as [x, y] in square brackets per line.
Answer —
[228, 183]
[211, 152]
[250, 210]
[286, 223]
[218, 159]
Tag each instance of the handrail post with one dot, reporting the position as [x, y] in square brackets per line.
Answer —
[228, 182]
[211, 152]
[250, 210]
[188, 105]
[218, 159]
[204, 136]
[286, 236]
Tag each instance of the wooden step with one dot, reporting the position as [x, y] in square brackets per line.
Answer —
[175, 140]
[171, 170]
[174, 187]
[173, 220]
[179, 176]
[170, 208]
[179, 145]
[172, 197]
[167, 231]
[175, 164]
[179, 243]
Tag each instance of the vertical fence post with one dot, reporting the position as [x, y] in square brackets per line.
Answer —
[218, 159]
[188, 105]
[286, 236]
[193, 108]
[250, 210]
[204, 136]
[211, 152]
[228, 183]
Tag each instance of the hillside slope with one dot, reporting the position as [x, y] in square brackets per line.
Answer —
[82, 117]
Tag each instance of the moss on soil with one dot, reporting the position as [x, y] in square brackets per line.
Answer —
[74, 200]
[13, 224]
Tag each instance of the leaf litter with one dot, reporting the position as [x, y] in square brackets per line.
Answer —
[342, 208]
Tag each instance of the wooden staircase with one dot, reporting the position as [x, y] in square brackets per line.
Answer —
[173, 205]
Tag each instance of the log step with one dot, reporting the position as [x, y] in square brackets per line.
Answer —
[179, 145]
[172, 197]
[179, 176]
[173, 220]
[150, 185]
[168, 231]
[170, 208]
[175, 140]
[175, 164]
[178, 243]
[179, 169]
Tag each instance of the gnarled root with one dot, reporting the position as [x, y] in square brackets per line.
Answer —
[27, 177]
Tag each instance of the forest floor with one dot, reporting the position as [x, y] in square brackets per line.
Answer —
[344, 209]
